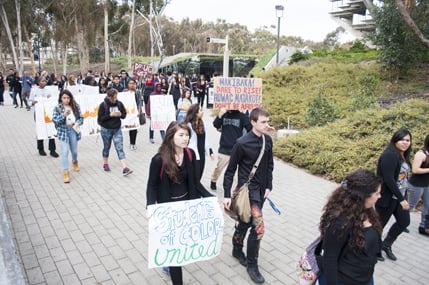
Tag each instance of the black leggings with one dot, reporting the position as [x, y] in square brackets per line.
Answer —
[402, 217]
[176, 275]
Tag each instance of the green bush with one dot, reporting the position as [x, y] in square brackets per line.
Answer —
[354, 142]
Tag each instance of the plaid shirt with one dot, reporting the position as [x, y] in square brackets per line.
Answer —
[60, 122]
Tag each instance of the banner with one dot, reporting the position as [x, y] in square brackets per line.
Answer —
[162, 111]
[236, 93]
[184, 232]
[89, 101]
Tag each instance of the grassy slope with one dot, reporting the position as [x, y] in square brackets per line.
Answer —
[357, 138]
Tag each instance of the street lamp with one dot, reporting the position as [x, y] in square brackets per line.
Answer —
[279, 14]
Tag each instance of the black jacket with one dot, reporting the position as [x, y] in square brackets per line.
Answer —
[104, 118]
[388, 168]
[231, 126]
[159, 184]
[244, 155]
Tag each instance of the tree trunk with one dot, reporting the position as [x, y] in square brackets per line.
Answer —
[18, 27]
[54, 55]
[29, 47]
[64, 57]
[9, 36]
[106, 38]
[410, 23]
[131, 34]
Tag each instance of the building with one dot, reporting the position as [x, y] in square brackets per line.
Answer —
[354, 15]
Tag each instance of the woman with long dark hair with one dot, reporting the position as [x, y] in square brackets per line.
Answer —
[418, 185]
[199, 141]
[67, 119]
[393, 167]
[351, 231]
[173, 176]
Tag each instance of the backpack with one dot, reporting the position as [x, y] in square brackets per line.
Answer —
[188, 152]
[306, 266]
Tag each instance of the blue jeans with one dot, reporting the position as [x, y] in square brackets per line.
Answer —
[65, 146]
[161, 133]
[116, 135]
[322, 280]
[415, 194]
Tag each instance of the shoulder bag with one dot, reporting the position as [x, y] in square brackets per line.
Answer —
[240, 202]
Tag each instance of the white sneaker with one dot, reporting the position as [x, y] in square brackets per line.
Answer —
[133, 147]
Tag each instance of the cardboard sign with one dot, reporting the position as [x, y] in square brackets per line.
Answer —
[236, 93]
[184, 232]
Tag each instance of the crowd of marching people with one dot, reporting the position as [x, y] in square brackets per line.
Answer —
[352, 221]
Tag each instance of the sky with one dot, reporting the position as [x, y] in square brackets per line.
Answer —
[308, 19]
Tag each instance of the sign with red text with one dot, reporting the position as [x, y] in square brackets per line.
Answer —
[184, 232]
[142, 70]
[236, 93]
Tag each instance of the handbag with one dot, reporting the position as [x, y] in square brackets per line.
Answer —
[306, 266]
[240, 202]
[142, 118]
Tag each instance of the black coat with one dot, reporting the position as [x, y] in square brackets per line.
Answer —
[158, 184]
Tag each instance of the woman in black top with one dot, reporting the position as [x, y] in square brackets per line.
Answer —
[393, 167]
[173, 175]
[351, 231]
[418, 185]
[1, 89]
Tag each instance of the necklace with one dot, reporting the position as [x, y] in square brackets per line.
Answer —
[179, 159]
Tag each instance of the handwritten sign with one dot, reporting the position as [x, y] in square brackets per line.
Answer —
[184, 232]
[236, 93]
[89, 100]
[142, 70]
[162, 111]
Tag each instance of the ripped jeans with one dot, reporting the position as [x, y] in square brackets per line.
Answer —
[115, 135]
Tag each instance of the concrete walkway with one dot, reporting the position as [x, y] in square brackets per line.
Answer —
[94, 230]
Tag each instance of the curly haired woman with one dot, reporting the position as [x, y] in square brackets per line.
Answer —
[351, 231]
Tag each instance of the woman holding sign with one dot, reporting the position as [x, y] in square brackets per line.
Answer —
[173, 175]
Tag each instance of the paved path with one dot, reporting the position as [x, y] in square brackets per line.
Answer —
[94, 230]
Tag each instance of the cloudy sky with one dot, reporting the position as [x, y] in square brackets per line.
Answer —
[308, 19]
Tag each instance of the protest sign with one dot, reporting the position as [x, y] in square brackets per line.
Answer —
[235, 93]
[89, 100]
[184, 232]
[162, 111]
[142, 70]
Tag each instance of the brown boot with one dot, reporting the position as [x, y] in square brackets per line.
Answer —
[66, 176]
[75, 166]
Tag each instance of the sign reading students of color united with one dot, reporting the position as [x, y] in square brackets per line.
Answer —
[184, 232]
[236, 93]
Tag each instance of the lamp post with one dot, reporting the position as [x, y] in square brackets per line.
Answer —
[279, 14]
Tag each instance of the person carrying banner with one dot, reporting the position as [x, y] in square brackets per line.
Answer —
[173, 176]
[67, 119]
[157, 91]
[40, 91]
[132, 85]
[110, 113]
[244, 154]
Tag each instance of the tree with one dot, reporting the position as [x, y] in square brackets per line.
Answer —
[404, 11]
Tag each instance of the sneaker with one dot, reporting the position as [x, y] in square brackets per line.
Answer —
[42, 152]
[54, 154]
[133, 147]
[106, 167]
[126, 171]
[213, 186]
[152, 141]
[166, 270]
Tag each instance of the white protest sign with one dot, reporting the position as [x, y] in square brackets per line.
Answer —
[184, 232]
[89, 101]
[236, 93]
[162, 111]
